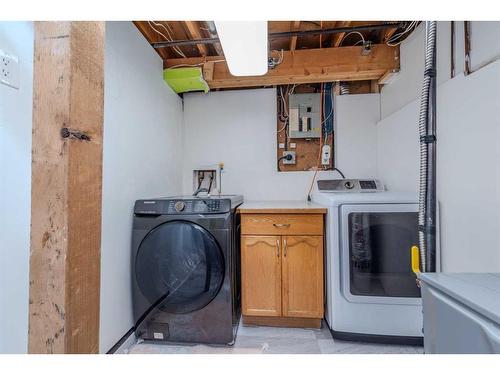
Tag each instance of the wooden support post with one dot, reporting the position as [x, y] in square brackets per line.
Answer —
[68, 93]
[374, 86]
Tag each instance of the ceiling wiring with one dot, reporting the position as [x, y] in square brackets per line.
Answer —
[397, 39]
[198, 64]
[169, 38]
[352, 32]
[273, 62]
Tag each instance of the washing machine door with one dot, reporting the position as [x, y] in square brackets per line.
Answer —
[179, 267]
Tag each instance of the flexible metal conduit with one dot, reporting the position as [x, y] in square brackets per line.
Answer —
[344, 88]
[427, 132]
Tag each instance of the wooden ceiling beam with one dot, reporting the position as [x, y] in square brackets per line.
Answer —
[295, 25]
[387, 34]
[194, 32]
[307, 66]
[337, 38]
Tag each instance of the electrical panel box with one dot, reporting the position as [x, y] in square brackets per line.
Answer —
[304, 115]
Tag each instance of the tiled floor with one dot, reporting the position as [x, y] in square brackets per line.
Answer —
[262, 340]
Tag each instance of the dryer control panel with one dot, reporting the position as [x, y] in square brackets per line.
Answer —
[350, 185]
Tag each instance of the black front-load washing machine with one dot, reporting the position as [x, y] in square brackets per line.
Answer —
[185, 269]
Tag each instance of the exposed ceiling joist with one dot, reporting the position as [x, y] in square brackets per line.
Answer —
[306, 66]
[387, 76]
[285, 34]
[293, 41]
[387, 34]
[337, 38]
[193, 31]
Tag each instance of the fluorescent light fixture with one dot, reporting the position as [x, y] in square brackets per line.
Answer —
[245, 46]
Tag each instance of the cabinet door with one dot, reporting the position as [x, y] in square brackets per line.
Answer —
[261, 275]
[302, 267]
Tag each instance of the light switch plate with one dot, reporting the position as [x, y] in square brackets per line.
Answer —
[9, 69]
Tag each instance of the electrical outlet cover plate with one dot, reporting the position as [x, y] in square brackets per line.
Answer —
[9, 70]
[293, 161]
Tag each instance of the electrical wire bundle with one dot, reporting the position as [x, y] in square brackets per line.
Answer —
[327, 95]
[152, 24]
[282, 109]
[398, 38]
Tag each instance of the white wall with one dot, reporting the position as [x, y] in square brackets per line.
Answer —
[468, 147]
[406, 86]
[356, 134]
[142, 159]
[15, 190]
[239, 129]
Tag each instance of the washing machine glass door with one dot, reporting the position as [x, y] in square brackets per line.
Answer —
[179, 267]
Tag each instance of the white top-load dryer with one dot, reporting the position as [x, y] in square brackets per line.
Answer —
[371, 290]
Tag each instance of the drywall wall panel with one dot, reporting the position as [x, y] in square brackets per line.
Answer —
[468, 180]
[238, 128]
[16, 38]
[485, 42]
[142, 159]
[398, 149]
[468, 148]
[356, 134]
[468, 174]
[407, 84]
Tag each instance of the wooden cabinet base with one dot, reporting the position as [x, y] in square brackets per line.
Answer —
[278, 321]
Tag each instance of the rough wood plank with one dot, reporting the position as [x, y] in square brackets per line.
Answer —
[387, 76]
[208, 71]
[194, 32]
[374, 87]
[337, 38]
[66, 188]
[295, 25]
[387, 34]
[308, 66]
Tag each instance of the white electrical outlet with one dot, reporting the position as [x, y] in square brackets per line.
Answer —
[325, 155]
[9, 70]
[293, 145]
[281, 145]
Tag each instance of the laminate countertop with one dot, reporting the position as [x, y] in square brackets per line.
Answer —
[281, 207]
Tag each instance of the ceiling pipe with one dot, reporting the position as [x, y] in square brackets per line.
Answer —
[285, 34]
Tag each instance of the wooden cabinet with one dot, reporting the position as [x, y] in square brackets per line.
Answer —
[302, 276]
[261, 275]
[282, 269]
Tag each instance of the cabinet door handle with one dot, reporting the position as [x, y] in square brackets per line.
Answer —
[284, 248]
[278, 248]
[281, 225]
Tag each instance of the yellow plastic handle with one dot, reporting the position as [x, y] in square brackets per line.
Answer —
[415, 259]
